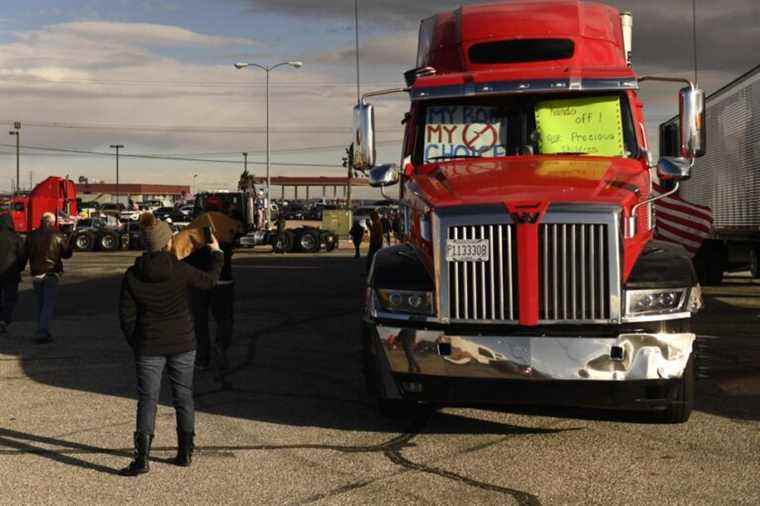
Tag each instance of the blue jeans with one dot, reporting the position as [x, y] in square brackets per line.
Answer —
[46, 290]
[150, 368]
[8, 299]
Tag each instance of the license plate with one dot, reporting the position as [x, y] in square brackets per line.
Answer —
[468, 250]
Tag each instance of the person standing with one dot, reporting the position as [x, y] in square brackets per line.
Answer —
[375, 237]
[357, 234]
[47, 249]
[386, 228]
[220, 302]
[155, 319]
[12, 262]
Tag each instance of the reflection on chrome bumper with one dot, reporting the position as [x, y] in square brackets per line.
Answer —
[626, 357]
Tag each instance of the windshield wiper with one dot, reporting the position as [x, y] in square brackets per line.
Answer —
[452, 157]
[571, 153]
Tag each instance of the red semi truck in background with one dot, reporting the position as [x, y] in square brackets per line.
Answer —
[54, 194]
[530, 273]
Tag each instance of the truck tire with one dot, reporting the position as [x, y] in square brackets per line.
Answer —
[388, 408]
[709, 263]
[682, 403]
[754, 262]
[84, 241]
[331, 241]
[109, 242]
[397, 409]
[283, 243]
[309, 241]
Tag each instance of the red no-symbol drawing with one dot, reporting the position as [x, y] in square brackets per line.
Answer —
[473, 132]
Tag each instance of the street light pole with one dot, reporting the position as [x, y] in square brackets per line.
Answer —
[194, 177]
[245, 163]
[117, 147]
[296, 65]
[17, 133]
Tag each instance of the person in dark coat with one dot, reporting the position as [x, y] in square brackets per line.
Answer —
[357, 234]
[12, 261]
[155, 319]
[220, 302]
[375, 237]
[386, 223]
[47, 248]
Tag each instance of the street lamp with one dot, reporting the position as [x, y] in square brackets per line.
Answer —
[17, 133]
[295, 65]
[117, 147]
[194, 178]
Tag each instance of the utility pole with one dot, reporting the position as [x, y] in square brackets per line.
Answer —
[245, 162]
[117, 147]
[31, 180]
[358, 101]
[17, 133]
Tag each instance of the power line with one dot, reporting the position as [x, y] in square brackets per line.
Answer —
[168, 158]
[184, 84]
[223, 154]
[334, 129]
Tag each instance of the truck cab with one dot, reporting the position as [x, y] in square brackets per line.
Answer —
[55, 195]
[529, 272]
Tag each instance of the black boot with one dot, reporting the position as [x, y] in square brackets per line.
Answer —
[185, 448]
[140, 464]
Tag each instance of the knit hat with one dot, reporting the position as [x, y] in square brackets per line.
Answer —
[156, 234]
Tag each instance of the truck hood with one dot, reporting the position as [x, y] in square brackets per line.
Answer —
[551, 179]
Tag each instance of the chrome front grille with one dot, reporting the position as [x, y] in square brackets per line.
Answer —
[484, 291]
[574, 275]
[579, 266]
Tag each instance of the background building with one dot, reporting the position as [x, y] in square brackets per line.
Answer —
[107, 192]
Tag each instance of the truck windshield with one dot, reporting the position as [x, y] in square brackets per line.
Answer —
[487, 127]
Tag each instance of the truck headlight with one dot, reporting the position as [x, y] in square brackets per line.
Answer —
[652, 302]
[406, 301]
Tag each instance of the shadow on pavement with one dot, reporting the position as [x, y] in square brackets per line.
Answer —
[296, 356]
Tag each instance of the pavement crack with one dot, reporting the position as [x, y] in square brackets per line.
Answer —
[522, 498]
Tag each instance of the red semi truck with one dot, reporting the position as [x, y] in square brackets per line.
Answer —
[530, 273]
[55, 195]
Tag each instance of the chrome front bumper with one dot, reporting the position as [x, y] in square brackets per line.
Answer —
[627, 357]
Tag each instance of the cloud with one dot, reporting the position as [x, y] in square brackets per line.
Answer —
[398, 49]
[143, 34]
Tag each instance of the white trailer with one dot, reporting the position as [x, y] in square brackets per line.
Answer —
[727, 178]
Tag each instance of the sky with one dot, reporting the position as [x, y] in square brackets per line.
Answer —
[157, 76]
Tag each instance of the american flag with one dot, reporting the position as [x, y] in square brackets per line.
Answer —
[681, 222]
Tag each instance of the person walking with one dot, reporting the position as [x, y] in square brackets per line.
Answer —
[155, 318]
[12, 261]
[375, 237]
[47, 249]
[357, 234]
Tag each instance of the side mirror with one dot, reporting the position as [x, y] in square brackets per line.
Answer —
[691, 110]
[364, 137]
[673, 169]
[384, 175]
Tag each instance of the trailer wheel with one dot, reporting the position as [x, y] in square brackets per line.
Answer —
[682, 403]
[309, 241]
[754, 262]
[283, 243]
[109, 242]
[84, 241]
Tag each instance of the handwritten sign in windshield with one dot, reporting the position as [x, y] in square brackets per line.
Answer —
[459, 130]
[590, 126]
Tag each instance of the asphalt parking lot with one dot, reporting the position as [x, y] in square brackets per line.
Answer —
[297, 426]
